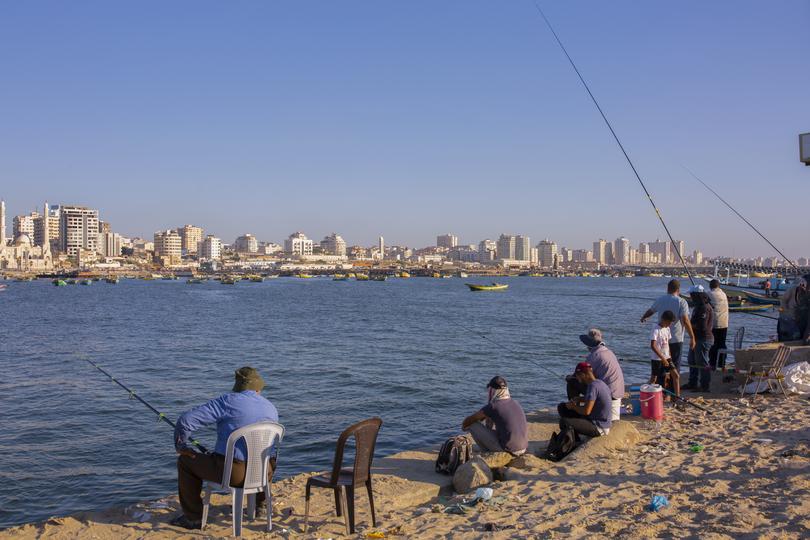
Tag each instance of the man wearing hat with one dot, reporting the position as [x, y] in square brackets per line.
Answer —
[605, 367]
[702, 320]
[238, 408]
[511, 433]
[590, 415]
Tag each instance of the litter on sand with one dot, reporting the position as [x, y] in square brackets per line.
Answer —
[657, 503]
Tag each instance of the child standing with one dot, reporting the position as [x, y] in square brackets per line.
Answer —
[663, 370]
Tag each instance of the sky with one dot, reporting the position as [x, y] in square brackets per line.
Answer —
[411, 119]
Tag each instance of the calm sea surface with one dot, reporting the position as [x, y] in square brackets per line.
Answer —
[331, 352]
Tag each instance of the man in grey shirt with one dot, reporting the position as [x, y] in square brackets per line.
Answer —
[673, 302]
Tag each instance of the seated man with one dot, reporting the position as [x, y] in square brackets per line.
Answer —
[511, 433]
[231, 411]
[592, 417]
[605, 367]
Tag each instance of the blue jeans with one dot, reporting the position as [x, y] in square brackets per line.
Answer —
[699, 367]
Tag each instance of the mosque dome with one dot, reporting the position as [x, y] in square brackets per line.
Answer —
[23, 240]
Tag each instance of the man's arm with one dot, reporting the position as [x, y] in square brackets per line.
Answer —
[687, 324]
[584, 410]
[192, 420]
[472, 419]
[647, 314]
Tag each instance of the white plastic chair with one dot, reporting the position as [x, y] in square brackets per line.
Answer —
[259, 438]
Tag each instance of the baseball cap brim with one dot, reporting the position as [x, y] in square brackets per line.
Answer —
[588, 340]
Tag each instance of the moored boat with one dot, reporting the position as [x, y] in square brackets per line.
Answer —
[59, 283]
[194, 280]
[86, 282]
[361, 277]
[491, 287]
[113, 280]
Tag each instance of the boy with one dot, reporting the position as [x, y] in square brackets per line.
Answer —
[663, 370]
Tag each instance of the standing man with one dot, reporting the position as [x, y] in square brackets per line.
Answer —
[605, 367]
[678, 306]
[702, 323]
[719, 303]
[591, 417]
[231, 411]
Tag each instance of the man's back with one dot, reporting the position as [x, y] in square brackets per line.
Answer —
[606, 368]
[719, 302]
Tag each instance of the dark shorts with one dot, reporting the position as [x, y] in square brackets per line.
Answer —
[659, 371]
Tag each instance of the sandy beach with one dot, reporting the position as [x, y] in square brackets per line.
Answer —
[750, 480]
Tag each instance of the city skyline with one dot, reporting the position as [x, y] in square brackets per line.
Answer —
[269, 119]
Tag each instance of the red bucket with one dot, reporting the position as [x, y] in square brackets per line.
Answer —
[652, 402]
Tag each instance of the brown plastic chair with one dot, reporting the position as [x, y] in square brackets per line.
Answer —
[343, 481]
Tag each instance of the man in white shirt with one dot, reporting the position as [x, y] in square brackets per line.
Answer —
[719, 303]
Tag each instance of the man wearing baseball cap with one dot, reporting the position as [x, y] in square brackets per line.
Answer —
[511, 433]
[591, 415]
[605, 367]
[242, 406]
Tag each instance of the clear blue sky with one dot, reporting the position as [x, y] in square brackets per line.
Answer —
[409, 119]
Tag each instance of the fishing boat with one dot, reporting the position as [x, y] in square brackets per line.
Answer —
[436, 275]
[361, 277]
[169, 277]
[3, 287]
[71, 281]
[378, 277]
[111, 280]
[340, 277]
[740, 293]
[228, 280]
[59, 283]
[256, 279]
[86, 282]
[194, 281]
[463, 275]
[491, 287]
[404, 274]
[24, 278]
[272, 276]
[304, 276]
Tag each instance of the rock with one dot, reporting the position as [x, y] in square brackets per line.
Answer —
[495, 460]
[472, 475]
[529, 461]
[623, 435]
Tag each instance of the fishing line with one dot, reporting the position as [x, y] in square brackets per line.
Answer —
[618, 141]
[508, 349]
[132, 394]
[742, 218]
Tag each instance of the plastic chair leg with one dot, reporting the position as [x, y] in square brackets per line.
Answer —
[251, 506]
[307, 493]
[206, 505]
[268, 506]
[338, 506]
[238, 499]
[371, 502]
[344, 510]
[350, 505]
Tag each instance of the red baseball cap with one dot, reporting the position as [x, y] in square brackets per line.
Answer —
[582, 367]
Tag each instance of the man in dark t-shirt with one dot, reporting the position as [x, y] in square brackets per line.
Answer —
[592, 417]
[511, 433]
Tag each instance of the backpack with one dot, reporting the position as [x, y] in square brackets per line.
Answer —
[454, 452]
[561, 444]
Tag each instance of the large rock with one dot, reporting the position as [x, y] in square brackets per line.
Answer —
[472, 475]
[528, 462]
[496, 460]
[623, 435]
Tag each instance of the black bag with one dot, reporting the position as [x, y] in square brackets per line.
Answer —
[561, 444]
[454, 452]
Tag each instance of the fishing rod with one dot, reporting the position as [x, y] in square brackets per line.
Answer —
[696, 177]
[480, 334]
[684, 400]
[618, 141]
[132, 394]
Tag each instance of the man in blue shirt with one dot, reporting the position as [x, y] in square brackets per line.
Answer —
[231, 411]
[592, 417]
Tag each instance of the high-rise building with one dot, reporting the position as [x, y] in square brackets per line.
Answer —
[24, 225]
[168, 247]
[78, 229]
[621, 251]
[2, 223]
[381, 247]
[246, 243]
[523, 248]
[600, 251]
[697, 257]
[680, 246]
[582, 255]
[448, 241]
[644, 255]
[487, 250]
[190, 237]
[547, 253]
[209, 249]
[506, 247]
[662, 250]
[109, 244]
[334, 244]
[298, 244]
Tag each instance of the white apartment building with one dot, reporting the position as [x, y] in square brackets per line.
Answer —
[600, 251]
[210, 249]
[78, 230]
[547, 253]
[247, 243]
[487, 250]
[621, 251]
[168, 247]
[334, 244]
[24, 225]
[298, 244]
[109, 244]
[505, 247]
[523, 248]
[663, 251]
[448, 241]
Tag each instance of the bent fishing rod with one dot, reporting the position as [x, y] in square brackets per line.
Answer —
[132, 394]
[696, 177]
[616, 138]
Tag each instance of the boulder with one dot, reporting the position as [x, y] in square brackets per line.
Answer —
[528, 461]
[472, 475]
[495, 460]
[623, 435]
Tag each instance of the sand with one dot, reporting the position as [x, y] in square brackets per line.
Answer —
[751, 480]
